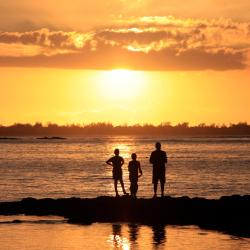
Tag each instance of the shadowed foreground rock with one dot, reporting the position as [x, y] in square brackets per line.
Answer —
[228, 214]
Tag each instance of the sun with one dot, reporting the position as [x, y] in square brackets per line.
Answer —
[121, 83]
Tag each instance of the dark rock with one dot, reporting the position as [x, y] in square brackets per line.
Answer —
[16, 221]
[51, 138]
[228, 214]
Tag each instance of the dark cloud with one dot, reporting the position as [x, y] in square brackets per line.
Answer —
[147, 43]
[110, 57]
[46, 38]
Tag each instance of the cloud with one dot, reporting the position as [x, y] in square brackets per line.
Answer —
[25, 15]
[144, 43]
[46, 38]
[236, 9]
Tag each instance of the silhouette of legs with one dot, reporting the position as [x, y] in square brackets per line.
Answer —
[155, 189]
[116, 190]
[134, 188]
[123, 188]
[162, 188]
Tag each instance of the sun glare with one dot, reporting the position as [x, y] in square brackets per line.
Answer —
[121, 83]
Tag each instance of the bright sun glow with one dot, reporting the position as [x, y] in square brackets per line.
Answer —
[121, 84]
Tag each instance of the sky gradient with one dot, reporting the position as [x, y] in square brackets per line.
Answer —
[125, 61]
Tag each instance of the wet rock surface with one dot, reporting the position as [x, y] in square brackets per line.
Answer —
[228, 214]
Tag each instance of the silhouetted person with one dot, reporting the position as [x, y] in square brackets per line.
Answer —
[159, 158]
[135, 172]
[117, 162]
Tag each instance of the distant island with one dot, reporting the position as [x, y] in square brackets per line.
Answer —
[51, 138]
[51, 129]
[8, 138]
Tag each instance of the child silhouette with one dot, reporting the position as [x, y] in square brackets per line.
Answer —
[135, 172]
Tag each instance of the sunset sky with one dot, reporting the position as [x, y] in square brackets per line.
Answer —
[125, 61]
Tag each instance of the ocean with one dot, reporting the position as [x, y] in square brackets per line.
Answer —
[198, 166]
[53, 233]
[208, 167]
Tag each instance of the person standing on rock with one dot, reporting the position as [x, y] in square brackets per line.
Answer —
[159, 160]
[135, 173]
[117, 162]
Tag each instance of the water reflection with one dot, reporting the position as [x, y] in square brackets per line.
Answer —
[117, 234]
[130, 236]
[100, 236]
[133, 230]
[125, 149]
[159, 235]
[118, 241]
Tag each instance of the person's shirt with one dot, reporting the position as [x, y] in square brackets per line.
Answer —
[134, 169]
[158, 158]
[117, 162]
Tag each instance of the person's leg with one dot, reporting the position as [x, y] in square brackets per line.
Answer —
[163, 181]
[136, 188]
[131, 188]
[123, 188]
[116, 191]
[162, 188]
[155, 188]
[155, 180]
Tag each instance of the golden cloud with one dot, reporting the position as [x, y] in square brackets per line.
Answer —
[152, 43]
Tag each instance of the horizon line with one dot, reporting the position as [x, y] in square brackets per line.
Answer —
[110, 124]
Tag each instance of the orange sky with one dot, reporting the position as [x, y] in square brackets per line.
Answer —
[120, 96]
[125, 61]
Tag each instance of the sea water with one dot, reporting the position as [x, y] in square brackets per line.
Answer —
[53, 233]
[208, 167]
[198, 166]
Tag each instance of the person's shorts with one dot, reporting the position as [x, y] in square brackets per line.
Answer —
[133, 179]
[117, 175]
[159, 174]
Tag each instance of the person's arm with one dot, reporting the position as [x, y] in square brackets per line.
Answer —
[109, 162]
[151, 160]
[122, 162]
[166, 158]
[140, 170]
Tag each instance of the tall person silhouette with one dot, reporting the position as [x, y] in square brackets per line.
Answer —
[159, 160]
[117, 162]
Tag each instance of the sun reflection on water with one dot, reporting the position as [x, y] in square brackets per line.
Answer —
[116, 240]
[125, 150]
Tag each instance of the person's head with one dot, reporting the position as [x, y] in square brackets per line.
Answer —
[134, 156]
[158, 145]
[117, 151]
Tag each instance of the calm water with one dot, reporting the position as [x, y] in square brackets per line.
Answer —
[51, 233]
[206, 167]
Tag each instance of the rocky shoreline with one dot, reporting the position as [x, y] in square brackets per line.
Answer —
[228, 214]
